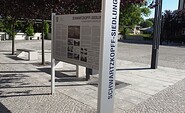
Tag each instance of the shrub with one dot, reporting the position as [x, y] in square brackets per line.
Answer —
[30, 30]
[46, 29]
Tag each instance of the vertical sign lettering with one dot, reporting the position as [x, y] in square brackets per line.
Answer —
[108, 47]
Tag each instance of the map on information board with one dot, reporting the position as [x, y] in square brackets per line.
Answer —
[77, 39]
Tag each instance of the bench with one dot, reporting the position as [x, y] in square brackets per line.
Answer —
[37, 36]
[20, 36]
[32, 54]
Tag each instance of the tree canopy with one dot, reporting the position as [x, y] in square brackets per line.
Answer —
[131, 16]
[147, 23]
[173, 23]
[42, 8]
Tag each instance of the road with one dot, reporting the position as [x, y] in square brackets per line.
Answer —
[169, 56]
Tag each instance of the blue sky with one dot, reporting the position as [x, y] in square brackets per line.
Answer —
[167, 5]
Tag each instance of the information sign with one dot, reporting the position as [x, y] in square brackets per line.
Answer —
[77, 39]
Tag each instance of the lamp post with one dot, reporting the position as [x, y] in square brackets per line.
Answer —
[157, 32]
[181, 4]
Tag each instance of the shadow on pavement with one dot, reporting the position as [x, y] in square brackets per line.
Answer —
[7, 51]
[11, 78]
[20, 72]
[61, 76]
[48, 71]
[149, 42]
[133, 69]
[3, 109]
[118, 84]
[5, 87]
[19, 95]
[13, 81]
[13, 63]
[14, 57]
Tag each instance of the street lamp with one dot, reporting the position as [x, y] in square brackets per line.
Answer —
[181, 4]
[157, 33]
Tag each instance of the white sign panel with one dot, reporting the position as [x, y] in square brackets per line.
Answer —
[77, 39]
[107, 70]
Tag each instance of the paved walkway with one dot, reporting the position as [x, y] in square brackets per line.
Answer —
[25, 88]
[170, 100]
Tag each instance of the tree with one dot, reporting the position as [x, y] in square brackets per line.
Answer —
[131, 16]
[32, 9]
[11, 11]
[166, 24]
[172, 24]
[1, 25]
[146, 23]
[42, 9]
[90, 6]
[29, 29]
[46, 29]
[151, 19]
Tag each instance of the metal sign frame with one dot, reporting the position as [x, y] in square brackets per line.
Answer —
[52, 59]
[107, 61]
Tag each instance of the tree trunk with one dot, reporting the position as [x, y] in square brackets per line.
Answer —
[124, 32]
[43, 57]
[13, 37]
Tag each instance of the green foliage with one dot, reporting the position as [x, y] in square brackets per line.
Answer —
[46, 29]
[146, 23]
[7, 26]
[146, 35]
[131, 16]
[151, 19]
[1, 25]
[19, 26]
[143, 35]
[125, 31]
[173, 24]
[30, 29]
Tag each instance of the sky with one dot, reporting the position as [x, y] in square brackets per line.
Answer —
[167, 5]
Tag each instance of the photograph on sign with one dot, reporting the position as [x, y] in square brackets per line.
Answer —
[74, 32]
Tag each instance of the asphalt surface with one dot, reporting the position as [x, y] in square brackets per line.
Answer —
[169, 56]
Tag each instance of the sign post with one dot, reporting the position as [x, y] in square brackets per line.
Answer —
[52, 58]
[107, 61]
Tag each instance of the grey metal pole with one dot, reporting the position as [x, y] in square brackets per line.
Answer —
[52, 59]
[157, 32]
[88, 73]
